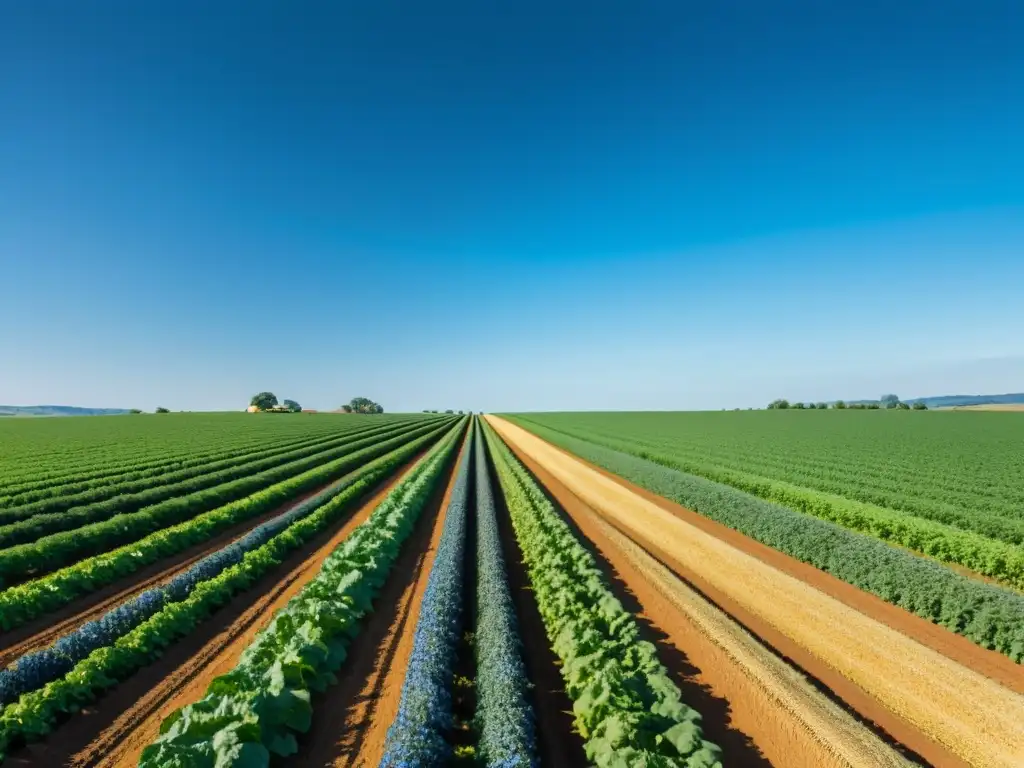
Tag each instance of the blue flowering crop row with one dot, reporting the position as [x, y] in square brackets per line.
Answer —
[504, 718]
[33, 670]
[417, 736]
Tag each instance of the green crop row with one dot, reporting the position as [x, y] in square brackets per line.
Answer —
[626, 706]
[35, 713]
[918, 463]
[36, 452]
[986, 614]
[62, 513]
[257, 709]
[59, 549]
[34, 598]
[948, 544]
[57, 498]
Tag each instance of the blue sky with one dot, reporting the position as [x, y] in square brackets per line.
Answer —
[548, 206]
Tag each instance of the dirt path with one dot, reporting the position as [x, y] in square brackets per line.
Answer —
[351, 719]
[755, 706]
[943, 710]
[114, 730]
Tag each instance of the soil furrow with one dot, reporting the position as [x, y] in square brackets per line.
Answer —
[113, 731]
[351, 719]
[944, 711]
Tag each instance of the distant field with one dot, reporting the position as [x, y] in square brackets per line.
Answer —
[987, 407]
[946, 485]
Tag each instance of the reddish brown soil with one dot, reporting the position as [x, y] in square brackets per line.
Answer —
[558, 743]
[992, 664]
[351, 719]
[114, 731]
[47, 629]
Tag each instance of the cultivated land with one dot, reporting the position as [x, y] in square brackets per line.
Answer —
[791, 589]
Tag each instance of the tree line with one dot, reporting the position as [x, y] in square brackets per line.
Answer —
[885, 402]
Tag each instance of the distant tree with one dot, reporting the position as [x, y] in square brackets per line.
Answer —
[822, 406]
[779, 404]
[839, 405]
[162, 410]
[460, 413]
[365, 405]
[873, 406]
[903, 406]
[346, 408]
[425, 410]
[135, 410]
[798, 406]
[889, 401]
[919, 406]
[292, 406]
[264, 400]
[449, 411]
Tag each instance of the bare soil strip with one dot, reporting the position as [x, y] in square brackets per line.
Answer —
[558, 743]
[47, 629]
[943, 710]
[351, 719]
[756, 707]
[114, 731]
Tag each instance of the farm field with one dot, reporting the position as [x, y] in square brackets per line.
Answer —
[537, 590]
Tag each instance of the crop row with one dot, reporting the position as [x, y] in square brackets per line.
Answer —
[991, 557]
[26, 601]
[625, 705]
[57, 550]
[969, 460]
[180, 490]
[257, 709]
[135, 469]
[504, 719]
[971, 509]
[33, 670]
[47, 449]
[35, 712]
[986, 614]
[49, 500]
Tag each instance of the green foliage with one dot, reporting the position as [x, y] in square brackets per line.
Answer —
[839, 405]
[625, 705]
[265, 701]
[298, 635]
[161, 409]
[363, 405]
[292, 406]
[919, 406]
[988, 615]
[778, 404]
[135, 411]
[33, 598]
[834, 486]
[264, 400]
[889, 401]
